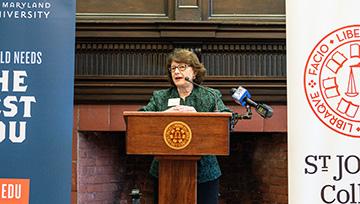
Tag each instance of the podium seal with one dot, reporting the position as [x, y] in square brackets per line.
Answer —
[332, 80]
[177, 135]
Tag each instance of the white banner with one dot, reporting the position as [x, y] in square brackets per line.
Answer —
[323, 69]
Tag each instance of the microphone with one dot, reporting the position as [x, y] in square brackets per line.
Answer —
[207, 89]
[243, 97]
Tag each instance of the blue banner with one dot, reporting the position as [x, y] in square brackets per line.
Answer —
[37, 41]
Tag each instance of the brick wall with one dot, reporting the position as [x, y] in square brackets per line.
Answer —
[255, 172]
[105, 173]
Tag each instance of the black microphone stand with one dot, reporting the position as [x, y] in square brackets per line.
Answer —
[236, 116]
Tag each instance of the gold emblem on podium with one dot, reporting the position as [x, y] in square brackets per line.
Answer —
[177, 135]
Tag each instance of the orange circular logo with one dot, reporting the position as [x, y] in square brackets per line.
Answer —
[177, 135]
[332, 80]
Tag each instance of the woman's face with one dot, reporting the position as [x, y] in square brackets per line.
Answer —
[179, 71]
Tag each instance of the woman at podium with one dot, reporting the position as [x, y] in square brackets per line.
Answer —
[186, 73]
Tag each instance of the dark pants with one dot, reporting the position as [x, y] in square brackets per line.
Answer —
[207, 193]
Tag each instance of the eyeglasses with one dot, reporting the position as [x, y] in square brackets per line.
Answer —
[181, 67]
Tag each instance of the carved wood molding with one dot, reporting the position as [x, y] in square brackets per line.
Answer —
[123, 90]
[127, 72]
[232, 59]
[183, 30]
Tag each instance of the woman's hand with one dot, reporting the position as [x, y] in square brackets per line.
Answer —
[181, 108]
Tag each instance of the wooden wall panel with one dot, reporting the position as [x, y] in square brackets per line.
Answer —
[124, 9]
[275, 7]
[188, 10]
[181, 10]
[240, 10]
[188, 3]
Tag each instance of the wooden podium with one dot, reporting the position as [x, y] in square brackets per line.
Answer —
[177, 140]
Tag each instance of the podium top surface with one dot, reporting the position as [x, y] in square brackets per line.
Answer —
[181, 114]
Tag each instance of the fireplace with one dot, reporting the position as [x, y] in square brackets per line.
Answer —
[255, 171]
